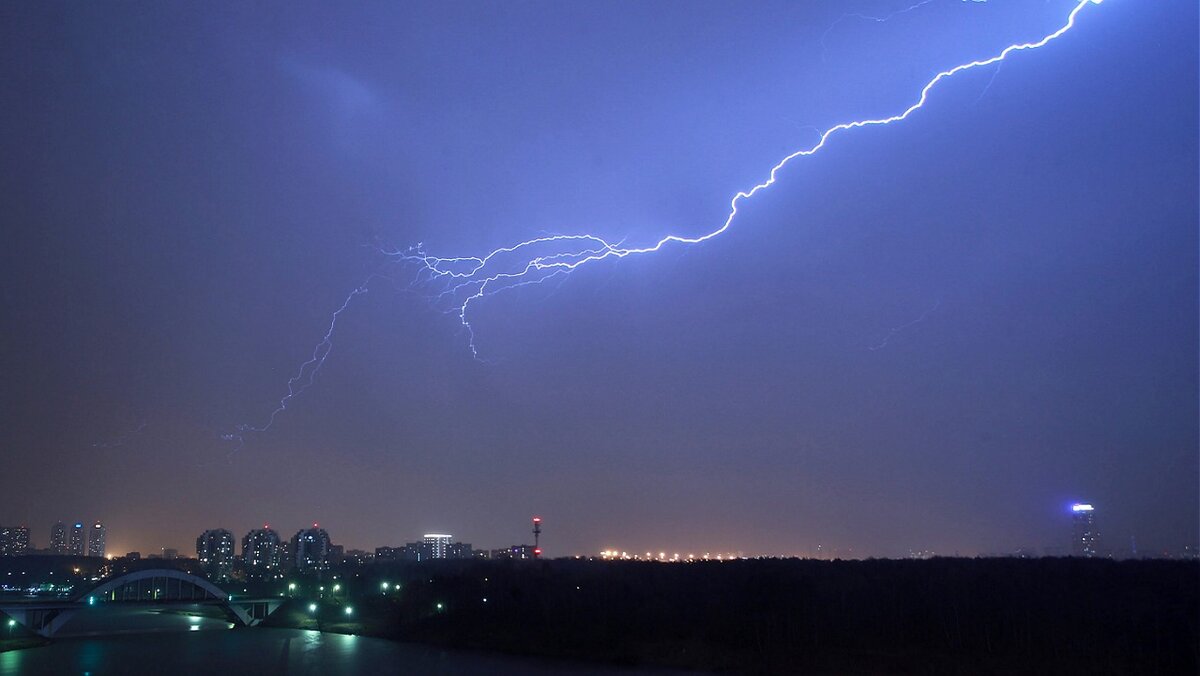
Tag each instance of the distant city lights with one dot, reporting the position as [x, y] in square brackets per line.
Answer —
[664, 557]
[1081, 507]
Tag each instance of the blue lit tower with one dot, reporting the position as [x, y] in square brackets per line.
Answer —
[77, 540]
[1084, 535]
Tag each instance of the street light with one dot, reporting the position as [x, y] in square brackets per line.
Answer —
[349, 610]
[312, 607]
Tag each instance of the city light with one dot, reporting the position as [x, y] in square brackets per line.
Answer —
[13, 623]
[349, 610]
[663, 557]
[312, 607]
[1081, 507]
[337, 587]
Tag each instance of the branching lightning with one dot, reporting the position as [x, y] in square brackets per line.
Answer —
[303, 378]
[460, 282]
[873, 17]
[121, 439]
[468, 279]
[892, 333]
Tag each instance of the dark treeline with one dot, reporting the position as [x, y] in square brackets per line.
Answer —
[796, 616]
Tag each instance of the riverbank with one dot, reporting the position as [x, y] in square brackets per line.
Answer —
[22, 643]
[791, 616]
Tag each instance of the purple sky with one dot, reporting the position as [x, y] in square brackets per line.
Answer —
[935, 335]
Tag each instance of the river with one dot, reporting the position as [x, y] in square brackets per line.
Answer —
[221, 651]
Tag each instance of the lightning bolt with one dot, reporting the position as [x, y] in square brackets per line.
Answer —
[303, 378]
[469, 279]
[878, 19]
[892, 333]
[466, 280]
[872, 17]
[122, 438]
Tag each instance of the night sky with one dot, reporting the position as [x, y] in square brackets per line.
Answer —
[934, 335]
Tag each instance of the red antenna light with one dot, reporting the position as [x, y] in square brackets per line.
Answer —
[537, 533]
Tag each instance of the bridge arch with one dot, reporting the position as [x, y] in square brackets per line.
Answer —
[117, 588]
[154, 586]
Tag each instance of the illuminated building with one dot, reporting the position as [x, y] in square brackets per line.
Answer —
[515, 552]
[436, 544]
[432, 546]
[76, 546]
[214, 548]
[58, 539]
[310, 549]
[14, 540]
[96, 540]
[260, 550]
[1085, 536]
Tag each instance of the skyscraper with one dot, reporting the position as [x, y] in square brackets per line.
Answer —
[14, 540]
[58, 539]
[260, 550]
[96, 540]
[77, 537]
[214, 548]
[310, 549]
[1084, 536]
[437, 544]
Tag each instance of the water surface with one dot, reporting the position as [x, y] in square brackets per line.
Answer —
[266, 651]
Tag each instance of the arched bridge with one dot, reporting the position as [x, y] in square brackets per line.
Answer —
[156, 587]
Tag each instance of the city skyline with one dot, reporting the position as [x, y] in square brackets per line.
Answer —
[934, 336]
[1081, 537]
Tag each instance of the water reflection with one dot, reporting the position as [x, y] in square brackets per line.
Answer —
[265, 651]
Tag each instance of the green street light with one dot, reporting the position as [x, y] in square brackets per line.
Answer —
[312, 607]
[349, 610]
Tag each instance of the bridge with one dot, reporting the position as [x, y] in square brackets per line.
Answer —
[162, 587]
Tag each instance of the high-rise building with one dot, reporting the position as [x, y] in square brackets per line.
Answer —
[437, 543]
[260, 550]
[14, 540]
[77, 537]
[58, 539]
[214, 548]
[310, 549]
[1085, 537]
[96, 540]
